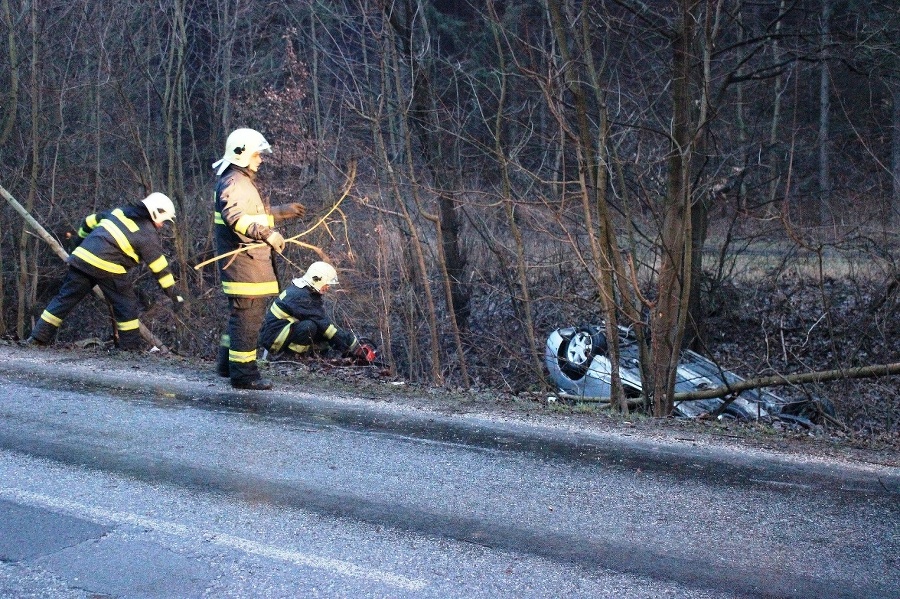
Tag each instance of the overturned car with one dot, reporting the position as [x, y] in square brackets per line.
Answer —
[578, 362]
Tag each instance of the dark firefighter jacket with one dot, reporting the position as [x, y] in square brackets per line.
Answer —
[242, 217]
[115, 241]
[295, 304]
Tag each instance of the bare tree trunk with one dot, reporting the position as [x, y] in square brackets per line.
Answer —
[695, 332]
[10, 110]
[739, 113]
[386, 273]
[894, 209]
[10, 114]
[674, 283]
[175, 107]
[778, 89]
[421, 118]
[593, 180]
[510, 204]
[28, 260]
[390, 66]
[824, 110]
[226, 27]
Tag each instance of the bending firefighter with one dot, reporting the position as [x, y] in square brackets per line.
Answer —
[112, 243]
[297, 320]
[242, 217]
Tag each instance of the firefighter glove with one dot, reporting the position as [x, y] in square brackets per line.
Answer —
[365, 352]
[276, 240]
[288, 211]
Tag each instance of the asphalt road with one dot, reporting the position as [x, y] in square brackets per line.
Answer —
[125, 484]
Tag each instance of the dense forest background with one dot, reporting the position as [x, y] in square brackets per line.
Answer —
[682, 167]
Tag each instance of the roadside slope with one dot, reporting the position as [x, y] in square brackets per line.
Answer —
[735, 454]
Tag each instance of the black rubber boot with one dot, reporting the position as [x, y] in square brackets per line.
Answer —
[42, 334]
[222, 368]
[245, 375]
[131, 341]
[259, 384]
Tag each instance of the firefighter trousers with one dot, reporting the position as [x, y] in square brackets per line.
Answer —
[117, 289]
[245, 318]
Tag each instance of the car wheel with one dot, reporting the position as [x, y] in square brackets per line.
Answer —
[575, 354]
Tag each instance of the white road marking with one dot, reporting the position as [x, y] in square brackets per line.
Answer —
[102, 515]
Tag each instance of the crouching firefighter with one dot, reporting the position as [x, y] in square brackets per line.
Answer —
[297, 320]
[243, 218]
[111, 244]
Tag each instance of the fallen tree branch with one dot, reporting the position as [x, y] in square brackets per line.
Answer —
[148, 336]
[633, 402]
[776, 380]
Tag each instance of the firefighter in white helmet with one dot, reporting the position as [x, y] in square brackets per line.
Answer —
[243, 217]
[110, 244]
[297, 320]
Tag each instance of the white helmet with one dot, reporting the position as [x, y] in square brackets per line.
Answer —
[160, 207]
[241, 145]
[317, 276]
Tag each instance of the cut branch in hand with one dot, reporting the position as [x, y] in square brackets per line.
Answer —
[351, 176]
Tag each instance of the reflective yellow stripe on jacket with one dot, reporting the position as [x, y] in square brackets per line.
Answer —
[250, 289]
[91, 223]
[281, 338]
[129, 224]
[158, 265]
[100, 263]
[281, 314]
[120, 238]
[286, 330]
[244, 222]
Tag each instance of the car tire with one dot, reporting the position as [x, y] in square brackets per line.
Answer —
[576, 353]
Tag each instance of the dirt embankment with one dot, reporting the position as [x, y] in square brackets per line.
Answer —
[338, 378]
